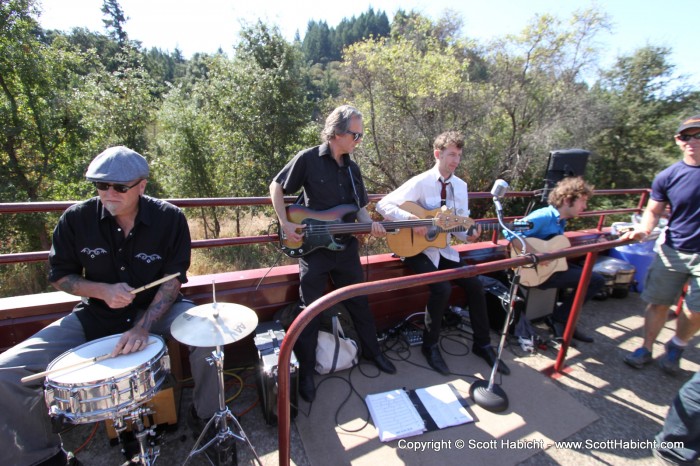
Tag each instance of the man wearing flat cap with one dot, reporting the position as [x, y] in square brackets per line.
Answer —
[103, 248]
[678, 260]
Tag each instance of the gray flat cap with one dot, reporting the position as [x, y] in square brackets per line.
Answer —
[117, 164]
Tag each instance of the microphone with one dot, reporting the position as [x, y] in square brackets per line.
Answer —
[499, 190]
[487, 393]
[500, 187]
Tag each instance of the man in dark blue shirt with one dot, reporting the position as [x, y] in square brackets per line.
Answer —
[678, 259]
[104, 248]
[329, 178]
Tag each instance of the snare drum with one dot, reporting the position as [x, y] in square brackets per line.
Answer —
[108, 389]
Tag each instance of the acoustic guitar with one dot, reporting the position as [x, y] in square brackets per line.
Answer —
[406, 243]
[328, 229]
[534, 276]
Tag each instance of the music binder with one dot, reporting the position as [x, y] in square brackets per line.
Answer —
[400, 413]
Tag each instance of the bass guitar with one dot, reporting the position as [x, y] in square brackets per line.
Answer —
[535, 276]
[406, 243]
[328, 229]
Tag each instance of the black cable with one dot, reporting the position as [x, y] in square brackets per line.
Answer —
[274, 264]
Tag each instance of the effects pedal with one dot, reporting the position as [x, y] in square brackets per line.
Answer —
[413, 337]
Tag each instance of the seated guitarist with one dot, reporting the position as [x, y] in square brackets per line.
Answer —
[329, 179]
[432, 189]
[567, 200]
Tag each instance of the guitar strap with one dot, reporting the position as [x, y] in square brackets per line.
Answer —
[352, 182]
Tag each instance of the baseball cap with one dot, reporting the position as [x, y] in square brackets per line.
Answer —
[692, 122]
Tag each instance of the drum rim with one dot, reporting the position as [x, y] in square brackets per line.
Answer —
[163, 349]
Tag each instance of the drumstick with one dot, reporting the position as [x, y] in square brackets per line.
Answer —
[92, 360]
[152, 284]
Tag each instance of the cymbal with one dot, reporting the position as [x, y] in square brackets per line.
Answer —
[214, 324]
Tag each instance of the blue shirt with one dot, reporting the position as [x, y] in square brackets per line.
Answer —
[546, 223]
[679, 186]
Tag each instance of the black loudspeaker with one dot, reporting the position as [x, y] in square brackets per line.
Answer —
[268, 338]
[561, 164]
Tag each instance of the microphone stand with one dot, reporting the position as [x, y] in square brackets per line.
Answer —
[490, 395]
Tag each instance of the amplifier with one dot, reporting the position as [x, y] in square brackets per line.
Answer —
[268, 338]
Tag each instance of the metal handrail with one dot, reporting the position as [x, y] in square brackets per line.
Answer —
[60, 206]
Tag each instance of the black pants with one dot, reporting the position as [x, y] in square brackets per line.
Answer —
[440, 297]
[569, 278]
[344, 268]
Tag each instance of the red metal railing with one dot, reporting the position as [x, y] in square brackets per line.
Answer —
[43, 207]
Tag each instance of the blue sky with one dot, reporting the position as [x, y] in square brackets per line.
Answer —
[206, 25]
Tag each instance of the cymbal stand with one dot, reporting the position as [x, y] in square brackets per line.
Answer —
[147, 454]
[220, 419]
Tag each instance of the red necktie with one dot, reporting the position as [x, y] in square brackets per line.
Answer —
[443, 192]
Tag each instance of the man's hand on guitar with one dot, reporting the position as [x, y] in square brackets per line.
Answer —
[419, 231]
[290, 231]
[475, 234]
[378, 230]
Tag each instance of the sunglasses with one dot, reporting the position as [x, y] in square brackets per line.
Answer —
[688, 137]
[355, 136]
[120, 188]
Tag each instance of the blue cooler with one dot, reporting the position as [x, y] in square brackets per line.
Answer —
[638, 254]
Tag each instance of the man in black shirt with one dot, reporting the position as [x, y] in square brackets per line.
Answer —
[102, 249]
[329, 179]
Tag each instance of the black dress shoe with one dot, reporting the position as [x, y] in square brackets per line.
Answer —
[434, 358]
[584, 337]
[307, 388]
[488, 354]
[384, 364]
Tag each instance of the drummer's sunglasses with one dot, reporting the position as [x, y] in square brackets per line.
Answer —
[120, 188]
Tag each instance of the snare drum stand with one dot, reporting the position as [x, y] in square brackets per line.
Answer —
[219, 419]
[147, 454]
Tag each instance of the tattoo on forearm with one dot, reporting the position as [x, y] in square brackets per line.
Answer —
[69, 284]
[165, 297]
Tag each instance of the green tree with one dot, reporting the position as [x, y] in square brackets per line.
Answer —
[40, 134]
[408, 97]
[40, 125]
[247, 117]
[539, 99]
[115, 21]
[119, 106]
[644, 102]
[187, 161]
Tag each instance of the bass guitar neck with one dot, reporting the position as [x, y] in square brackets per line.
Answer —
[329, 229]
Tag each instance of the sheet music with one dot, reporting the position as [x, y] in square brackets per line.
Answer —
[394, 415]
[443, 406]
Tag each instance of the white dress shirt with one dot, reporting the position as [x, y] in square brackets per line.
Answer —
[424, 189]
